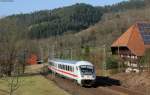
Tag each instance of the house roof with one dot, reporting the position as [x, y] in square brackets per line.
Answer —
[132, 39]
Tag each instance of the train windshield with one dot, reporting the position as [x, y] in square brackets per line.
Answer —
[86, 69]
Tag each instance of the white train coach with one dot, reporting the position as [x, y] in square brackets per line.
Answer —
[81, 71]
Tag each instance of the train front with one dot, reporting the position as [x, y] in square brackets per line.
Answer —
[87, 73]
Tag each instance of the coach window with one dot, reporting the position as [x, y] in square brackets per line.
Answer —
[71, 68]
[68, 68]
[63, 67]
[60, 66]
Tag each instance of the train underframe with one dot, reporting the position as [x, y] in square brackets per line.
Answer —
[87, 82]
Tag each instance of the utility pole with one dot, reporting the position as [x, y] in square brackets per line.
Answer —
[118, 59]
[71, 53]
[53, 52]
[41, 51]
[104, 60]
[25, 56]
[41, 60]
[52, 57]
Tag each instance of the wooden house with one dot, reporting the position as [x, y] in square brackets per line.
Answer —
[133, 43]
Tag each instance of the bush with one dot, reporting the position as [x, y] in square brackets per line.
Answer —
[111, 63]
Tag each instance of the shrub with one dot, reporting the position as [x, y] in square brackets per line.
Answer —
[111, 63]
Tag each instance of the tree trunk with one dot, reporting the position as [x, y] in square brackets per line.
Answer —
[9, 69]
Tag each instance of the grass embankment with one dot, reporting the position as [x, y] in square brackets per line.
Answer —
[33, 85]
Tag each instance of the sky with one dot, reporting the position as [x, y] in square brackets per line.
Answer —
[9, 7]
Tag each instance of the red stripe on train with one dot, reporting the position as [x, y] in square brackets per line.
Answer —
[63, 72]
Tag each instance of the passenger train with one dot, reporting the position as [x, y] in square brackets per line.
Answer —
[82, 72]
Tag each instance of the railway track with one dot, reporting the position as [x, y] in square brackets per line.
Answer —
[115, 86]
[125, 91]
[104, 86]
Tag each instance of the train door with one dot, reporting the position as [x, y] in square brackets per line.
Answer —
[78, 78]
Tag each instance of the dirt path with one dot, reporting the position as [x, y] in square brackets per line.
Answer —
[104, 86]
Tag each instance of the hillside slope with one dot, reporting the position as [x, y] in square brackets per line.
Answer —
[54, 22]
[72, 19]
[112, 25]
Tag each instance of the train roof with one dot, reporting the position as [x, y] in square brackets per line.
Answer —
[65, 61]
[69, 61]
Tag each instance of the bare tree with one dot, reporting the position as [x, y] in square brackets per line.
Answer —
[11, 44]
[11, 67]
[14, 80]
